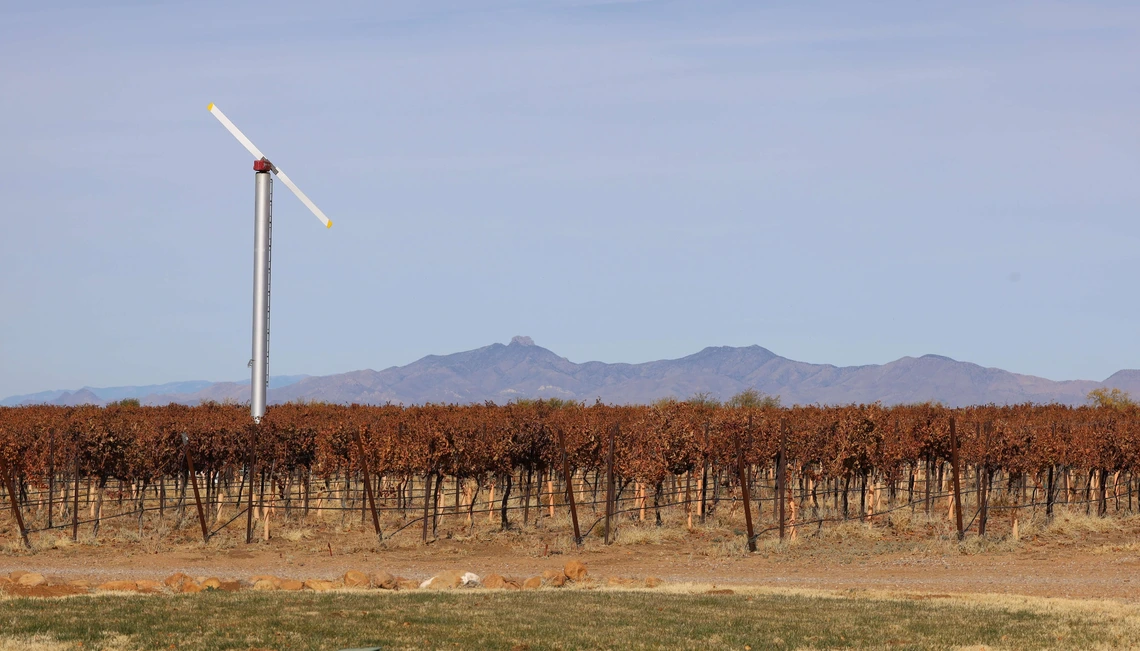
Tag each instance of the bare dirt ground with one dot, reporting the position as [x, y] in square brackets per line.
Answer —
[1075, 556]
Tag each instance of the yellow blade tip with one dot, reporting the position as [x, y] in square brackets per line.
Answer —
[329, 225]
[210, 107]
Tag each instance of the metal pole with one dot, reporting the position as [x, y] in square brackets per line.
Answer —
[262, 235]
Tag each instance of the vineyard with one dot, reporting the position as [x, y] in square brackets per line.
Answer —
[778, 472]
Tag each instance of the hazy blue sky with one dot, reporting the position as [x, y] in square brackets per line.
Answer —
[623, 181]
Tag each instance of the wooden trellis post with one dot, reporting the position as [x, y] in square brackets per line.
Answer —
[569, 487]
[194, 483]
[743, 476]
[782, 474]
[51, 477]
[427, 502]
[251, 470]
[704, 478]
[368, 487]
[957, 483]
[75, 499]
[11, 488]
[610, 482]
[984, 483]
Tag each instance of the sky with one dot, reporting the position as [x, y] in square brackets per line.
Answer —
[839, 182]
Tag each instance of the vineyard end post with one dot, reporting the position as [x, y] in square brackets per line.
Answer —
[427, 501]
[75, 503]
[569, 488]
[610, 483]
[782, 473]
[368, 487]
[957, 482]
[10, 487]
[744, 490]
[252, 470]
[194, 483]
[1049, 494]
[51, 477]
[704, 472]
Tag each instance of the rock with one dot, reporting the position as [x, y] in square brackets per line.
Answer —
[554, 578]
[253, 580]
[652, 582]
[231, 586]
[190, 587]
[117, 586]
[58, 590]
[383, 580]
[212, 583]
[355, 579]
[30, 579]
[533, 583]
[264, 585]
[445, 580]
[147, 586]
[44, 590]
[319, 585]
[406, 584]
[575, 570]
[175, 581]
[494, 582]
[291, 584]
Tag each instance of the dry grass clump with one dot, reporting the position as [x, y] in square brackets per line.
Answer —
[643, 533]
[1074, 522]
[297, 534]
[32, 643]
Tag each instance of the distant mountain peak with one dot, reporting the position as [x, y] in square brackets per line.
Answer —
[522, 340]
[942, 358]
[83, 396]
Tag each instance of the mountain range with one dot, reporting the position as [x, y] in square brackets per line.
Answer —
[103, 395]
[521, 369]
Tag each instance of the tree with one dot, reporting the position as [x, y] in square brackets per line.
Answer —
[1115, 398]
[753, 398]
[703, 399]
[125, 402]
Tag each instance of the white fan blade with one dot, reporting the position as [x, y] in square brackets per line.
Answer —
[301, 195]
[257, 155]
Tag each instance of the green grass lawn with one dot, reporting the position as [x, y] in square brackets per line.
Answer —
[549, 620]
